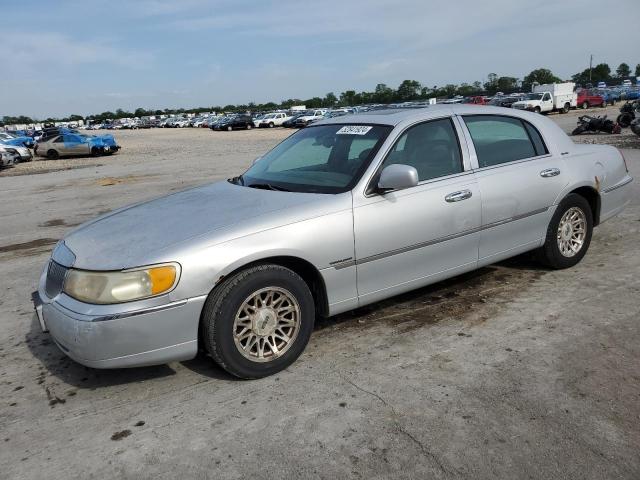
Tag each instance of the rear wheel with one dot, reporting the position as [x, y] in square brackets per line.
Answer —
[271, 125]
[566, 108]
[625, 119]
[258, 321]
[603, 104]
[585, 105]
[569, 233]
[52, 154]
[249, 126]
[229, 128]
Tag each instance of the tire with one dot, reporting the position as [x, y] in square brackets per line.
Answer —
[566, 108]
[52, 155]
[578, 130]
[585, 105]
[249, 126]
[551, 253]
[225, 306]
[537, 110]
[229, 128]
[271, 125]
[625, 119]
[603, 104]
[95, 152]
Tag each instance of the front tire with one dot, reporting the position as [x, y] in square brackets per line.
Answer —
[229, 128]
[569, 233]
[258, 321]
[52, 155]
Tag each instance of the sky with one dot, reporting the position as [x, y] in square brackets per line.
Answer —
[83, 57]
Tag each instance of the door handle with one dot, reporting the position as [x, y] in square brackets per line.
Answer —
[550, 172]
[458, 196]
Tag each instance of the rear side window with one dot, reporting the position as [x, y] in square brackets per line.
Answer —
[499, 139]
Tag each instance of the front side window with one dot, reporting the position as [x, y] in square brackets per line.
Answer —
[320, 159]
[500, 139]
[432, 148]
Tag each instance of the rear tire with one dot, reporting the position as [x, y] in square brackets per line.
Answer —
[603, 104]
[52, 155]
[624, 119]
[249, 126]
[229, 128]
[247, 307]
[569, 233]
[271, 125]
[585, 105]
[566, 108]
[578, 131]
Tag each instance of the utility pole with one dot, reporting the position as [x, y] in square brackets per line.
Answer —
[590, 66]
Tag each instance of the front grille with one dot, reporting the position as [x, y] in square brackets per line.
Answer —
[55, 279]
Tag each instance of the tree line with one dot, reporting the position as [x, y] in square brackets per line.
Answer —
[408, 90]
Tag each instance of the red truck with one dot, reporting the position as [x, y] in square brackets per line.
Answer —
[478, 100]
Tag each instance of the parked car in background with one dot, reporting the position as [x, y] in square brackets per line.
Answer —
[586, 99]
[332, 219]
[235, 122]
[271, 120]
[20, 152]
[477, 100]
[7, 158]
[308, 117]
[626, 83]
[601, 85]
[16, 140]
[610, 95]
[181, 123]
[505, 100]
[291, 122]
[73, 144]
[549, 97]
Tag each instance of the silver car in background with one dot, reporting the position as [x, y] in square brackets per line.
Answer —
[346, 212]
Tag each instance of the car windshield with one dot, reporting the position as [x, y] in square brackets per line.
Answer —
[320, 159]
[534, 96]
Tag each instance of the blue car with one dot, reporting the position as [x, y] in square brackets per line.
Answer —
[72, 144]
[15, 140]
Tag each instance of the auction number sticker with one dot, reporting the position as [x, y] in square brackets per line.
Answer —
[354, 130]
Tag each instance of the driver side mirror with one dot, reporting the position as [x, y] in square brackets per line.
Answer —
[397, 177]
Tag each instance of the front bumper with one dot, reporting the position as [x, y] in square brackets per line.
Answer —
[146, 336]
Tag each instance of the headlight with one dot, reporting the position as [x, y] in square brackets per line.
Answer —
[125, 286]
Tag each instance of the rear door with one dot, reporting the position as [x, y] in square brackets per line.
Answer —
[519, 180]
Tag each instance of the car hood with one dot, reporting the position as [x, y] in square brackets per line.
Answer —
[137, 235]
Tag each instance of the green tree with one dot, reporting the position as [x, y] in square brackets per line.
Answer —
[491, 85]
[330, 99]
[623, 71]
[383, 94]
[540, 76]
[637, 70]
[599, 73]
[408, 90]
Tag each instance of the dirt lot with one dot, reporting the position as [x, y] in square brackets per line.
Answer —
[513, 371]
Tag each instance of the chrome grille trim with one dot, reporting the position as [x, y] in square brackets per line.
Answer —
[56, 274]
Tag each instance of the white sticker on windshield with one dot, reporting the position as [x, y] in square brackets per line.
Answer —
[354, 130]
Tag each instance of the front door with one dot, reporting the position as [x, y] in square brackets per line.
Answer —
[409, 238]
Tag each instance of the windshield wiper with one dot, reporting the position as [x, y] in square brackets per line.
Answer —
[268, 186]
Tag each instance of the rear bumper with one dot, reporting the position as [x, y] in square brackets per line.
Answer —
[149, 336]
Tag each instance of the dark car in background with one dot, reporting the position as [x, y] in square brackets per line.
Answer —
[234, 122]
[291, 123]
[505, 101]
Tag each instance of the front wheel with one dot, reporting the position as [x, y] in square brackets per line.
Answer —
[569, 233]
[52, 155]
[249, 126]
[258, 321]
[537, 110]
[229, 128]
[603, 104]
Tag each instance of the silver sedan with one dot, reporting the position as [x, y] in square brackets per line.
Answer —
[344, 213]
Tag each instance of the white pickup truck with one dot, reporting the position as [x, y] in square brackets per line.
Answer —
[272, 120]
[549, 97]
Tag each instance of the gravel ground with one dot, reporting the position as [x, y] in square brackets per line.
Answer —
[513, 371]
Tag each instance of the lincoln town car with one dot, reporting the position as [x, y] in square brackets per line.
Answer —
[344, 213]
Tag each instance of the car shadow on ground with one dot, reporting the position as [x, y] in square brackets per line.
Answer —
[460, 291]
